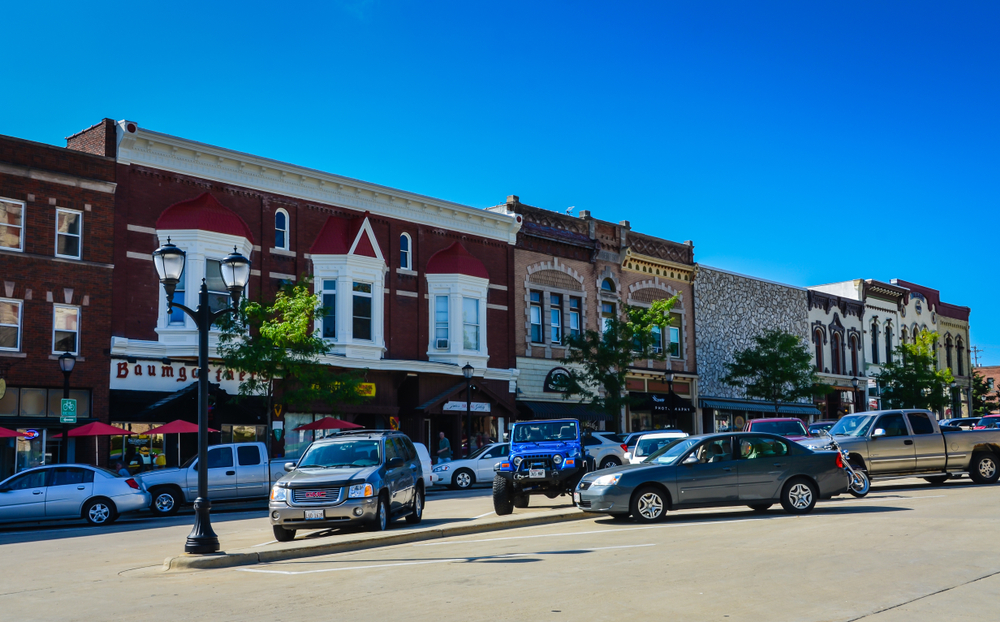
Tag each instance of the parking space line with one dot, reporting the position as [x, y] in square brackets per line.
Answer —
[482, 515]
[264, 544]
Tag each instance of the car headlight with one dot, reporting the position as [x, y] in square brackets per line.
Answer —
[557, 459]
[440, 467]
[517, 461]
[358, 491]
[607, 480]
[279, 493]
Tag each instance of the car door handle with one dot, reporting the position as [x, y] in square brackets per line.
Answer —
[230, 472]
[907, 442]
[727, 469]
[36, 492]
[779, 464]
[80, 487]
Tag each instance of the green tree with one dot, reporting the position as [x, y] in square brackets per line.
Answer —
[983, 403]
[278, 349]
[912, 380]
[598, 361]
[777, 367]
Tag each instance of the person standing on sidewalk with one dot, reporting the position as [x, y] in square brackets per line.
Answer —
[444, 449]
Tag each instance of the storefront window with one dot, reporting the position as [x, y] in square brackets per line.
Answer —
[296, 442]
[30, 451]
[33, 402]
[244, 433]
[141, 450]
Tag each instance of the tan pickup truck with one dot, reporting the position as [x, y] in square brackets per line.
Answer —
[896, 443]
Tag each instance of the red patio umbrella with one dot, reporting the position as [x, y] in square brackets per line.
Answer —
[329, 423]
[5, 433]
[178, 427]
[96, 429]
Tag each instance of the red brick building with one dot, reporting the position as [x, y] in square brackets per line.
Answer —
[57, 218]
[418, 286]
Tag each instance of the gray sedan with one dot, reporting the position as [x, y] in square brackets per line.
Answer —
[753, 469]
[70, 491]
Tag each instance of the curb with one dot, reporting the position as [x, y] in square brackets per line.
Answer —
[185, 562]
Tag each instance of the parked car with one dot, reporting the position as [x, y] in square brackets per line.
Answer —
[461, 474]
[605, 449]
[425, 464]
[368, 476]
[236, 471]
[989, 422]
[651, 442]
[714, 470]
[63, 491]
[890, 443]
[966, 423]
[631, 438]
[823, 424]
[791, 428]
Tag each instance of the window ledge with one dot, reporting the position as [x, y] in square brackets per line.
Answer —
[281, 251]
[406, 272]
[13, 355]
[79, 359]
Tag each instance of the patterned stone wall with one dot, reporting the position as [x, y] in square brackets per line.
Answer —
[729, 311]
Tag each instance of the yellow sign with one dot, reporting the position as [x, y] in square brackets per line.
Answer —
[394, 423]
[278, 409]
[366, 389]
[3, 387]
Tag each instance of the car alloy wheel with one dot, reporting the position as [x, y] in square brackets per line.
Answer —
[382, 517]
[99, 513]
[164, 502]
[650, 506]
[463, 480]
[800, 496]
[987, 468]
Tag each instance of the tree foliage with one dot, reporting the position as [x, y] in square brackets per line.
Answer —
[777, 367]
[276, 346]
[983, 402]
[912, 380]
[598, 361]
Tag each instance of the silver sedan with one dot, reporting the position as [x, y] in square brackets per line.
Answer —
[66, 491]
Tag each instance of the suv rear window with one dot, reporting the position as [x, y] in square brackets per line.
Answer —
[611, 436]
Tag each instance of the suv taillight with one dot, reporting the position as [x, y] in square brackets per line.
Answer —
[132, 483]
[624, 447]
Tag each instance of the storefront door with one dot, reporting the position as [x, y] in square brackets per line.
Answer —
[30, 449]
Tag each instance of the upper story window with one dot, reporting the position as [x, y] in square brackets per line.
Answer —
[874, 337]
[218, 295]
[854, 355]
[69, 233]
[10, 324]
[176, 316]
[674, 332]
[961, 358]
[470, 323]
[11, 225]
[607, 314]
[818, 345]
[281, 229]
[535, 313]
[657, 335]
[989, 383]
[575, 322]
[405, 252]
[835, 354]
[441, 322]
[608, 286]
[947, 352]
[555, 317]
[362, 328]
[888, 342]
[65, 329]
[329, 309]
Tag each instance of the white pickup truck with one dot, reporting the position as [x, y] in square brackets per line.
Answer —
[236, 471]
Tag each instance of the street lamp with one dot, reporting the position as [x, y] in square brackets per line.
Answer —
[169, 261]
[66, 363]
[669, 377]
[467, 372]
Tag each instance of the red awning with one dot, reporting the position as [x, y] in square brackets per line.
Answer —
[96, 429]
[5, 433]
[329, 423]
[178, 426]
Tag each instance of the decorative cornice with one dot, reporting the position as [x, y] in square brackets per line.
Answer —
[654, 266]
[187, 157]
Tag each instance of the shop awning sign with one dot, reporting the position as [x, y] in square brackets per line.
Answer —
[477, 407]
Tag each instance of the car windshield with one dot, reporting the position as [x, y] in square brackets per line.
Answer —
[353, 453]
[783, 428]
[545, 431]
[853, 425]
[668, 454]
[648, 446]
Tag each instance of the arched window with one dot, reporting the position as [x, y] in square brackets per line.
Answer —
[854, 355]
[947, 352]
[281, 229]
[888, 342]
[405, 252]
[902, 335]
[874, 337]
[608, 286]
[961, 358]
[818, 341]
[835, 355]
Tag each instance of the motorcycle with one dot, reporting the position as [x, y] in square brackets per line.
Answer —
[860, 484]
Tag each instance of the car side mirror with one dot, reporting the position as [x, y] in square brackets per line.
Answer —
[394, 463]
[878, 432]
[289, 467]
[692, 459]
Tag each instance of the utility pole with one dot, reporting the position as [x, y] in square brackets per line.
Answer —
[974, 351]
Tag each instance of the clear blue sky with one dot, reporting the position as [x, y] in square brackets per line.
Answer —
[803, 142]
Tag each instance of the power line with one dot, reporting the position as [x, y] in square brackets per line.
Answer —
[974, 351]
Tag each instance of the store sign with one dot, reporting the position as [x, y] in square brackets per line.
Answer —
[156, 376]
[366, 389]
[30, 435]
[477, 407]
[550, 385]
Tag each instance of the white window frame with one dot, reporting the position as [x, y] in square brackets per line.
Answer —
[406, 257]
[20, 321]
[439, 326]
[675, 327]
[79, 235]
[215, 292]
[477, 325]
[658, 339]
[24, 221]
[535, 308]
[79, 328]
[287, 230]
[182, 299]
[371, 315]
[328, 287]
[575, 316]
[555, 319]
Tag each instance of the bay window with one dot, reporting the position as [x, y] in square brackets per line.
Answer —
[362, 327]
[470, 324]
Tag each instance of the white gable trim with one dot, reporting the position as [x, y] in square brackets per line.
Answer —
[366, 229]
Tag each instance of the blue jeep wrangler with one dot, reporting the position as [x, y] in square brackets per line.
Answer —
[546, 458]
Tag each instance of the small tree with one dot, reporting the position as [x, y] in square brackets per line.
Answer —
[598, 362]
[276, 346]
[912, 380]
[983, 403]
[777, 368]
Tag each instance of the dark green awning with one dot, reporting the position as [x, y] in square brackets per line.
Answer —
[759, 407]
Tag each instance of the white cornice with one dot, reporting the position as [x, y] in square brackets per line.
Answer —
[188, 157]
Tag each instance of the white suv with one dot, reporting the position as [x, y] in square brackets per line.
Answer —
[648, 443]
[606, 449]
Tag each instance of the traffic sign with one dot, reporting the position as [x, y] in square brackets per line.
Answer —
[68, 412]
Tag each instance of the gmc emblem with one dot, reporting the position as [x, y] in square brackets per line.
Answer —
[314, 495]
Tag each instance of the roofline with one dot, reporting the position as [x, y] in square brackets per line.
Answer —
[752, 278]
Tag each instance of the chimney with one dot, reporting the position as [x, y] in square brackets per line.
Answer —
[512, 199]
[98, 139]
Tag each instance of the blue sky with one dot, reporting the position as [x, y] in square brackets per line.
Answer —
[803, 142]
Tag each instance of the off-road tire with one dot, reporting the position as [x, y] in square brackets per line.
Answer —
[503, 503]
[984, 468]
[281, 534]
[463, 479]
[417, 514]
[799, 496]
[648, 504]
[521, 501]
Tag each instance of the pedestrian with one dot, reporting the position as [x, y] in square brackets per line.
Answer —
[444, 449]
[122, 471]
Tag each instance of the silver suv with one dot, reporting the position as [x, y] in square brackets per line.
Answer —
[366, 476]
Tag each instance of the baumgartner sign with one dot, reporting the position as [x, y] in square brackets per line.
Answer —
[156, 376]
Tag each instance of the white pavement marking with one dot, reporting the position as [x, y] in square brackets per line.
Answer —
[438, 561]
[264, 544]
[482, 515]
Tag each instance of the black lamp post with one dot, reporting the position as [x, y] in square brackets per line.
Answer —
[169, 262]
[955, 403]
[467, 372]
[854, 383]
[66, 363]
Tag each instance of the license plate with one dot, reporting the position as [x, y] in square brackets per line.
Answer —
[314, 514]
[535, 473]
[576, 497]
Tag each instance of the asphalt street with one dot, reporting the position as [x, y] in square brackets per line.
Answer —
[906, 552]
